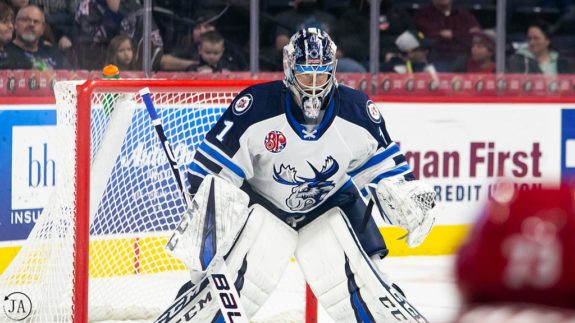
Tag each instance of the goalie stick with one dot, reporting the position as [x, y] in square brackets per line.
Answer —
[191, 304]
[167, 147]
[227, 295]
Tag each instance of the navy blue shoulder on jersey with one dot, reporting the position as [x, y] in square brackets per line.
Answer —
[353, 105]
[354, 108]
[252, 105]
[266, 103]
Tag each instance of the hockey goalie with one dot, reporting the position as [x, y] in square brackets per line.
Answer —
[286, 172]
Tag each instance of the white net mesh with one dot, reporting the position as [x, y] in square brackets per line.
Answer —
[134, 206]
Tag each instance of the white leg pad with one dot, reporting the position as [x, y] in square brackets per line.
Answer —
[256, 260]
[263, 250]
[342, 276]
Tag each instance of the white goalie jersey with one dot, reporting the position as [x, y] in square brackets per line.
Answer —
[260, 143]
[303, 172]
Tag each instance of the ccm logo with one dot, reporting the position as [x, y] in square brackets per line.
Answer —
[395, 302]
[187, 306]
[227, 298]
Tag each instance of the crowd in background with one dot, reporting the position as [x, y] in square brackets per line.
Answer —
[213, 36]
[532, 279]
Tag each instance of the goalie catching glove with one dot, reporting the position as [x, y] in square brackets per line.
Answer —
[407, 204]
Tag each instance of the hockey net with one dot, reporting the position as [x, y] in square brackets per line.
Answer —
[97, 251]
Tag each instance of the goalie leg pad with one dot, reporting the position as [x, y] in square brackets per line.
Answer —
[255, 262]
[259, 257]
[219, 210]
[368, 233]
[342, 276]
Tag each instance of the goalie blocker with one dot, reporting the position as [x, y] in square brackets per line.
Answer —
[256, 252]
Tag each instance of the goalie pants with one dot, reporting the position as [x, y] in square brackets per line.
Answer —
[335, 266]
[349, 200]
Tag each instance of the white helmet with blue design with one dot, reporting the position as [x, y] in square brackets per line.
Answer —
[309, 62]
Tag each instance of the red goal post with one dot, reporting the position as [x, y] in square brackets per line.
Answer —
[104, 229]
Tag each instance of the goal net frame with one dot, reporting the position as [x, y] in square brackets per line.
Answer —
[83, 160]
[83, 144]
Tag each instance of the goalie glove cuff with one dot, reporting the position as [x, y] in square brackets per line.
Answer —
[407, 204]
[418, 235]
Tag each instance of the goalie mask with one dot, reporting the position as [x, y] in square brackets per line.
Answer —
[309, 65]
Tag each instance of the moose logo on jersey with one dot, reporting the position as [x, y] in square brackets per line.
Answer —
[307, 192]
[275, 141]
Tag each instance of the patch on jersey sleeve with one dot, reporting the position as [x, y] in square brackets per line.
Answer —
[243, 104]
[373, 112]
[275, 141]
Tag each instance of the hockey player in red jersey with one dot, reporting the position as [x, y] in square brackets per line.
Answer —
[517, 263]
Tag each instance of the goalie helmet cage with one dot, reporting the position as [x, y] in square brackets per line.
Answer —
[97, 251]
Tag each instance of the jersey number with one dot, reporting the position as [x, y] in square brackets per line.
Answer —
[227, 126]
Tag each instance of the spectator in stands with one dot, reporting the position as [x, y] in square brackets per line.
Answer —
[204, 22]
[482, 56]
[521, 64]
[7, 58]
[538, 50]
[393, 21]
[28, 46]
[450, 27]
[60, 27]
[121, 53]
[211, 55]
[517, 263]
[99, 21]
[233, 56]
[6, 24]
[414, 48]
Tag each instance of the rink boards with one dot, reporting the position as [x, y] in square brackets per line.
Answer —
[459, 148]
